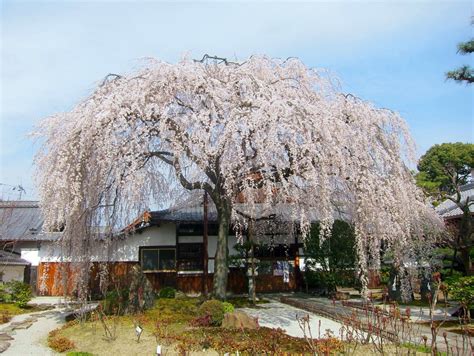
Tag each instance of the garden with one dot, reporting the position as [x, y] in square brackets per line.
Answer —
[176, 324]
[14, 298]
[179, 325]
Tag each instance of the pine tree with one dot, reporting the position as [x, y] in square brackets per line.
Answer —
[464, 73]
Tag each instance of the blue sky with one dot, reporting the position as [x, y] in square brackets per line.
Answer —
[393, 53]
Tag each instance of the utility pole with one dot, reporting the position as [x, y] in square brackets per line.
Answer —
[20, 190]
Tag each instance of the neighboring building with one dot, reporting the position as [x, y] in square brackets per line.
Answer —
[12, 267]
[168, 244]
[21, 225]
[449, 210]
[452, 214]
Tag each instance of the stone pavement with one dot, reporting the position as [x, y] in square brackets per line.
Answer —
[344, 310]
[26, 334]
[279, 315]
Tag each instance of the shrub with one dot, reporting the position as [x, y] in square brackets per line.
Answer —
[228, 307]
[462, 290]
[5, 317]
[5, 296]
[17, 292]
[167, 292]
[76, 353]
[115, 302]
[213, 308]
[59, 343]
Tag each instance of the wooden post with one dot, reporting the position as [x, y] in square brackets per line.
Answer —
[204, 242]
[252, 286]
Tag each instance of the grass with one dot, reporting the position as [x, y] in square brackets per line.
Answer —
[8, 310]
[422, 349]
[168, 323]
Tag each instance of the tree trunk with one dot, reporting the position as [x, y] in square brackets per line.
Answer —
[252, 286]
[466, 259]
[466, 231]
[220, 263]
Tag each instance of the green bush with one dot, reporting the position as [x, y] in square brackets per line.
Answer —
[213, 308]
[115, 302]
[79, 353]
[5, 296]
[167, 292]
[16, 292]
[228, 307]
[462, 290]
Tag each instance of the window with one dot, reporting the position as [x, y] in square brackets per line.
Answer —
[158, 259]
[190, 256]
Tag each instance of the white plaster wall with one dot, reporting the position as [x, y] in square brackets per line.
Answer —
[118, 250]
[212, 245]
[31, 255]
[127, 249]
[49, 252]
[12, 273]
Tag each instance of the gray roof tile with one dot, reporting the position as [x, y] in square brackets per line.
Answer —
[448, 209]
[22, 221]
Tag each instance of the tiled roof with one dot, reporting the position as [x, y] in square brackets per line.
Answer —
[185, 214]
[22, 221]
[10, 258]
[192, 211]
[448, 209]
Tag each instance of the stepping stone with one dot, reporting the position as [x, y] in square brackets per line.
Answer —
[4, 345]
[24, 325]
[5, 337]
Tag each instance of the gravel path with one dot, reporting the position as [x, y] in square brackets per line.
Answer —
[29, 332]
[279, 315]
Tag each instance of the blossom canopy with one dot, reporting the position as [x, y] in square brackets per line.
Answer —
[142, 137]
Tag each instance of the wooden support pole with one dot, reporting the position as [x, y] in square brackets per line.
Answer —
[204, 242]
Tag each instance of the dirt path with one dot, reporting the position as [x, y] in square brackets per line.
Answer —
[26, 334]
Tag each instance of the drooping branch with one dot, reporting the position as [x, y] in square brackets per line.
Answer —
[179, 172]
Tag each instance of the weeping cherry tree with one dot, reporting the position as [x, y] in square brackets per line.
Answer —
[264, 127]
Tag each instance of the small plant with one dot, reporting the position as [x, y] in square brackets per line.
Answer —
[204, 320]
[213, 308]
[79, 353]
[5, 317]
[59, 343]
[109, 324]
[228, 307]
[167, 292]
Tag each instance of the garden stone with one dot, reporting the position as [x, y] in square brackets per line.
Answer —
[5, 337]
[22, 325]
[239, 320]
[4, 345]
[141, 294]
